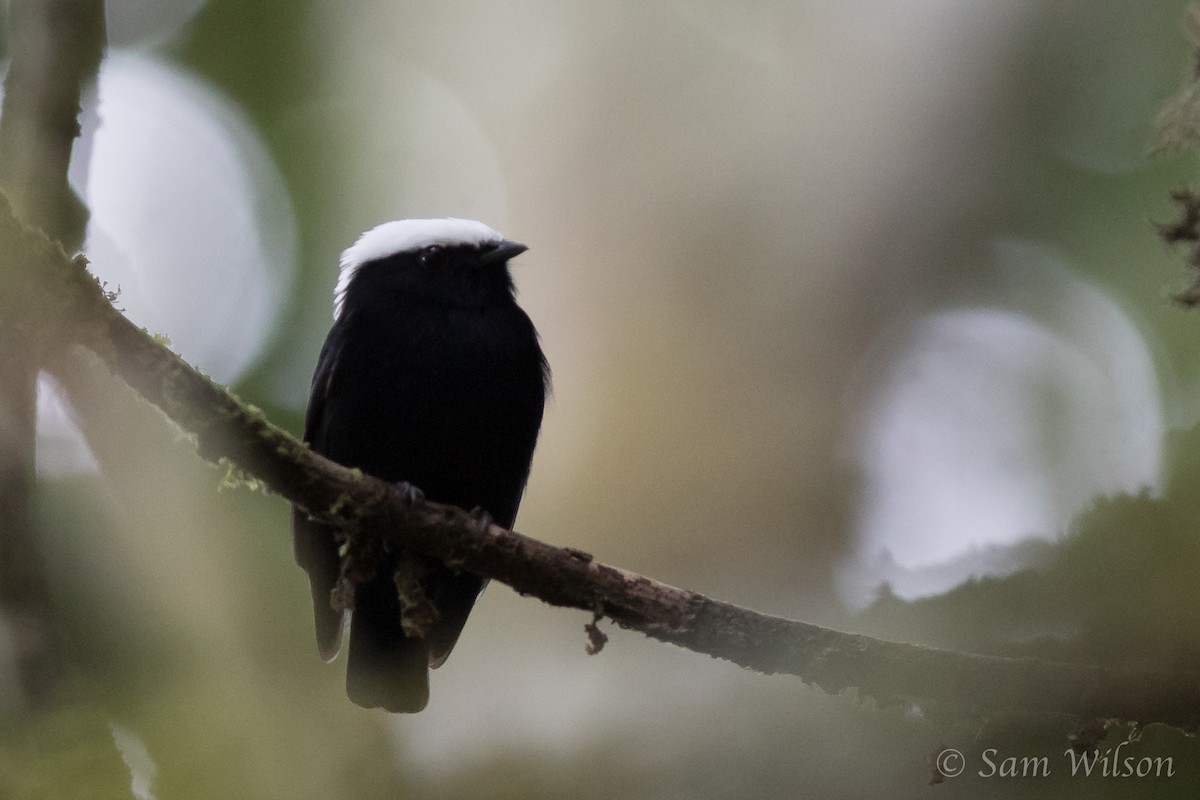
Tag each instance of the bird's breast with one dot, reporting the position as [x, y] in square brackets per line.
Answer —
[447, 399]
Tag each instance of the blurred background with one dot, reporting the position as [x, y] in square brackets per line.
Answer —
[856, 316]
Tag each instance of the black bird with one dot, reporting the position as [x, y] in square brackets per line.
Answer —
[431, 375]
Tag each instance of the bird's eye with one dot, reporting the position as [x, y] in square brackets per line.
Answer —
[433, 255]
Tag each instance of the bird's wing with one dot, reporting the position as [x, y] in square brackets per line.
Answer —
[314, 543]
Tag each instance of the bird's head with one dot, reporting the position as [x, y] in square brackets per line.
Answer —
[451, 261]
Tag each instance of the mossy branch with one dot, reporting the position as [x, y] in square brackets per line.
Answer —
[72, 308]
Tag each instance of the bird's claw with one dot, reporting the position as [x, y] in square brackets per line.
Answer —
[412, 495]
[482, 519]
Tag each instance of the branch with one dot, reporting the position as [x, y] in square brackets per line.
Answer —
[57, 46]
[56, 50]
[366, 507]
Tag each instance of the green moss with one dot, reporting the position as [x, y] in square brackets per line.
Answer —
[236, 478]
[340, 504]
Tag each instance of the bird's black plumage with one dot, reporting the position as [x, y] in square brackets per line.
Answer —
[431, 374]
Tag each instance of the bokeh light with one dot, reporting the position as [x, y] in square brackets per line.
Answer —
[190, 223]
[988, 426]
[190, 219]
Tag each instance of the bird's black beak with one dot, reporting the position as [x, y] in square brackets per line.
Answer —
[501, 252]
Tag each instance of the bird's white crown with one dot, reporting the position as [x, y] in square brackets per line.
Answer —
[406, 236]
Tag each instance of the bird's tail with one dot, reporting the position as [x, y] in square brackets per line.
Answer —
[385, 668]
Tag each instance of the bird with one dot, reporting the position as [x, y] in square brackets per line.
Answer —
[431, 376]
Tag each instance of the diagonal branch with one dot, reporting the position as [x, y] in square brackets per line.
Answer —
[367, 507]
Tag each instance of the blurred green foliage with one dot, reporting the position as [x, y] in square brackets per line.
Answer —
[1117, 589]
